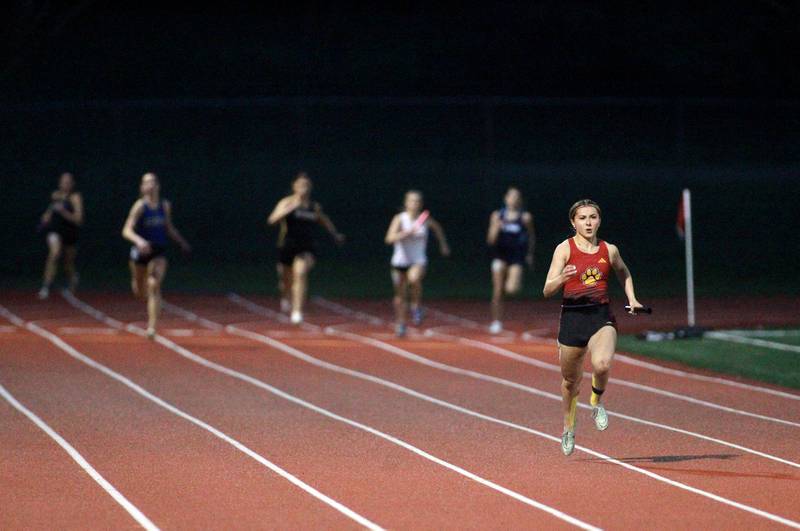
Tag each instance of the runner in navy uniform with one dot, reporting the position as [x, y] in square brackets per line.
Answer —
[62, 221]
[298, 216]
[149, 227]
[512, 240]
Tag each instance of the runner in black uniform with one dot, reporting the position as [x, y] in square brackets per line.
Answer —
[149, 228]
[512, 240]
[298, 216]
[62, 221]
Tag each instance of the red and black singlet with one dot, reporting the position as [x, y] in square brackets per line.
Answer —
[589, 287]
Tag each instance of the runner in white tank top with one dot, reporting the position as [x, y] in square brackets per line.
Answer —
[411, 250]
[410, 240]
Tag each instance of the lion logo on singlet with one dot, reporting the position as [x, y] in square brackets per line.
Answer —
[591, 276]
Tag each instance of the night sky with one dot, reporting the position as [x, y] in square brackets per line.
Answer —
[99, 50]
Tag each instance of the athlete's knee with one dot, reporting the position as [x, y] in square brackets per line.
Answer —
[153, 284]
[512, 288]
[571, 383]
[601, 366]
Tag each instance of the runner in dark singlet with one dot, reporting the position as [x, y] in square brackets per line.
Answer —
[62, 221]
[149, 228]
[298, 217]
[512, 240]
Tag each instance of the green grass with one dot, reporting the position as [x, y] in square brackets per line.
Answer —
[757, 363]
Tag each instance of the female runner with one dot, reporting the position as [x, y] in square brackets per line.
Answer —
[581, 266]
[62, 221]
[408, 233]
[149, 228]
[298, 216]
[512, 240]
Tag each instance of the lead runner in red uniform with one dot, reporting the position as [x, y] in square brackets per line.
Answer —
[581, 266]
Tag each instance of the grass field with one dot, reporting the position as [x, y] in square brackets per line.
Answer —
[764, 361]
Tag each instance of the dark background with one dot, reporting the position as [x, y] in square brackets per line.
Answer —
[623, 104]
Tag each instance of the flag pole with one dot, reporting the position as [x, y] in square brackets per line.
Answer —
[687, 216]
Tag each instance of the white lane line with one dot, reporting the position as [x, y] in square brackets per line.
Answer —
[189, 316]
[186, 353]
[315, 361]
[71, 351]
[703, 378]
[132, 510]
[625, 383]
[179, 332]
[532, 390]
[736, 338]
[335, 307]
[793, 332]
[78, 330]
[533, 336]
[268, 313]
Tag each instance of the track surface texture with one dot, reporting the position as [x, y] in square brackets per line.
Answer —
[233, 418]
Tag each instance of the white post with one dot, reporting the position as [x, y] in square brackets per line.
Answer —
[687, 217]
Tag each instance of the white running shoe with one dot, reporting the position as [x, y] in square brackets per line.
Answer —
[151, 333]
[43, 293]
[296, 318]
[600, 417]
[568, 442]
[286, 306]
[495, 328]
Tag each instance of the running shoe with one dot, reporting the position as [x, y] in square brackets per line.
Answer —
[43, 293]
[495, 328]
[600, 417]
[151, 333]
[416, 316]
[568, 442]
[400, 330]
[296, 318]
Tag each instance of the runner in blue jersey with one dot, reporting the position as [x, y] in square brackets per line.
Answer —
[149, 228]
[512, 240]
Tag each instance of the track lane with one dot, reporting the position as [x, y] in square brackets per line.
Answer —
[181, 476]
[384, 480]
[415, 377]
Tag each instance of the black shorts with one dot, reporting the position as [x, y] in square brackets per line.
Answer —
[288, 252]
[143, 259]
[510, 255]
[578, 325]
[68, 235]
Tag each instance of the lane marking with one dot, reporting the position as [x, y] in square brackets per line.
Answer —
[186, 353]
[536, 391]
[131, 509]
[71, 351]
[793, 332]
[364, 376]
[736, 338]
[78, 330]
[645, 388]
[189, 316]
[533, 336]
[266, 312]
[703, 378]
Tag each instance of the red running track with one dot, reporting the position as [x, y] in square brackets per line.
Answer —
[181, 476]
